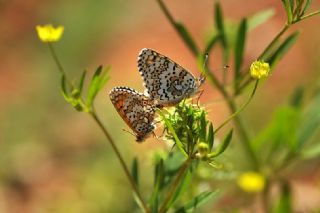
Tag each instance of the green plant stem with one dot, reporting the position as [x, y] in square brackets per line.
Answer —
[214, 81]
[307, 16]
[175, 184]
[274, 41]
[56, 59]
[123, 164]
[240, 109]
[244, 136]
[237, 121]
[195, 50]
[265, 197]
[114, 147]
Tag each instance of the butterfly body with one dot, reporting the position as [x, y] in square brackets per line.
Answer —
[137, 110]
[166, 81]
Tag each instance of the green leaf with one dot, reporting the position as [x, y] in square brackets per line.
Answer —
[135, 171]
[282, 49]
[239, 48]
[104, 78]
[220, 25]
[284, 204]
[297, 97]
[99, 79]
[223, 146]
[311, 152]
[310, 123]
[210, 45]
[81, 83]
[288, 8]
[306, 7]
[203, 127]
[198, 201]
[64, 89]
[159, 174]
[183, 186]
[187, 38]
[177, 140]
[259, 18]
[279, 139]
[210, 138]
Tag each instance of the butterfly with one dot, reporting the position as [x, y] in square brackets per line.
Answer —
[166, 81]
[136, 109]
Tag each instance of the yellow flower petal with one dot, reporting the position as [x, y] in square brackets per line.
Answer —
[48, 33]
[251, 182]
[259, 69]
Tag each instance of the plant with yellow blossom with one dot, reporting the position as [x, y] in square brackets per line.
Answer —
[48, 33]
[196, 139]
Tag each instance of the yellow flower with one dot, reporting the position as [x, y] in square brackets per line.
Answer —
[48, 33]
[251, 181]
[259, 69]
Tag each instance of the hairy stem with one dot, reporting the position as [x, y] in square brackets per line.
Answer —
[119, 156]
[175, 184]
[240, 109]
[114, 147]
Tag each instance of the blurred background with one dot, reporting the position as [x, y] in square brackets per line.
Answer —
[54, 159]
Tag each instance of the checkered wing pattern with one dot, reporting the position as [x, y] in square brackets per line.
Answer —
[137, 110]
[165, 80]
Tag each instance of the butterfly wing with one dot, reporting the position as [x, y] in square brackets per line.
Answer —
[136, 110]
[165, 81]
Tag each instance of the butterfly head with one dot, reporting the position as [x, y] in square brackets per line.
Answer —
[142, 136]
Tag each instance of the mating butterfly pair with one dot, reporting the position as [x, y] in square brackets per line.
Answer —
[166, 83]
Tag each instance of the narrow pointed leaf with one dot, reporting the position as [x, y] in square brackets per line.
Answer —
[64, 89]
[210, 138]
[220, 24]
[223, 146]
[135, 171]
[93, 87]
[287, 6]
[306, 7]
[297, 97]
[183, 185]
[259, 18]
[188, 40]
[177, 140]
[81, 83]
[159, 174]
[310, 123]
[311, 152]
[104, 78]
[239, 48]
[282, 49]
[203, 127]
[198, 201]
[284, 204]
[214, 39]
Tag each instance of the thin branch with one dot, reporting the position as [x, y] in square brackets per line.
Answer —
[175, 184]
[123, 164]
[240, 109]
[114, 147]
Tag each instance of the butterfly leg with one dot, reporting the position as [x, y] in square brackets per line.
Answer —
[198, 99]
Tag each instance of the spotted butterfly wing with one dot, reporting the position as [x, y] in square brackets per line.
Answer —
[166, 81]
[137, 110]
